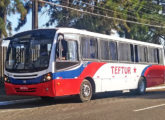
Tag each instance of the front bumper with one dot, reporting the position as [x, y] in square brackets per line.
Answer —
[41, 89]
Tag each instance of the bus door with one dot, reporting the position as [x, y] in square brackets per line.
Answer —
[67, 59]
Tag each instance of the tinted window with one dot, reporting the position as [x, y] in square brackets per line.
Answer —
[153, 55]
[67, 50]
[160, 56]
[89, 48]
[136, 54]
[30, 51]
[124, 52]
[104, 48]
[132, 52]
[142, 54]
[113, 50]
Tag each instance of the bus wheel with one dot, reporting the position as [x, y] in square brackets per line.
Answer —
[141, 87]
[85, 91]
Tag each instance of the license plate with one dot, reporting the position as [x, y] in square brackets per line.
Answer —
[23, 88]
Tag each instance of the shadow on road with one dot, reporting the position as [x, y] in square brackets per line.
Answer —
[148, 95]
[37, 102]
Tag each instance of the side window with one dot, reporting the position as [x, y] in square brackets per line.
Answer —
[136, 54]
[89, 48]
[72, 51]
[156, 55]
[132, 52]
[143, 54]
[113, 50]
[153, 55]
[67, 50]
[124, 52]
[64, 49]
[160, 56]
[104, 48]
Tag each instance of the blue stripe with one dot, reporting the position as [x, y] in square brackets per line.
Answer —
[143, 72]
[70, 73]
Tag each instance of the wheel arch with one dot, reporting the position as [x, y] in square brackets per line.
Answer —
[143, 78]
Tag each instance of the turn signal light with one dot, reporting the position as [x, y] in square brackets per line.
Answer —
[6, 79]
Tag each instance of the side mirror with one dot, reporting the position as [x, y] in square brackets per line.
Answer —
[60, 37]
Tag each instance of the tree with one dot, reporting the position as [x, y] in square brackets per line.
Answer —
[144, 11]
[8, 7]
[62, 17]
[141, 11]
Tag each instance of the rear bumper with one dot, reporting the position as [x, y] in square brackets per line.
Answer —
[42, 89]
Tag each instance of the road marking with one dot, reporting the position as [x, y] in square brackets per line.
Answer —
[2, 103]
[147, 108]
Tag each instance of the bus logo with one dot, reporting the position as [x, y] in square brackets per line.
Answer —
[24, 81]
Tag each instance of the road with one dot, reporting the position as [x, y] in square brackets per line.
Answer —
[107, 106]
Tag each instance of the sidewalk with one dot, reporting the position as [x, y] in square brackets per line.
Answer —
[4, 97]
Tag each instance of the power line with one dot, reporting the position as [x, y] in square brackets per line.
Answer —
[108, 17]
[108, 10]
[131, 16]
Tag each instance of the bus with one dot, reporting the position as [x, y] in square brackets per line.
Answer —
[67, 61]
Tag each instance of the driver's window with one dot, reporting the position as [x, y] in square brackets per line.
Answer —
[67, 50]
[66, 54]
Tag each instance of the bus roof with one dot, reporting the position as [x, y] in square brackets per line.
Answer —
[85, 32]
[88, 33]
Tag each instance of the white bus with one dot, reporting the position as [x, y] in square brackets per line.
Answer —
[67, 61]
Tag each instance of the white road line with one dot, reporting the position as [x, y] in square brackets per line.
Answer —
[147, 108]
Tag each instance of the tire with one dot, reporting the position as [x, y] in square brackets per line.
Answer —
[141, 87]
[85, 91]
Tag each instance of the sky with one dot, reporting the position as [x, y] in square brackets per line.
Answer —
[42, 19]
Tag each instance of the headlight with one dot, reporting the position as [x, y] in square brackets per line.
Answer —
[47, 77]
[6, 79]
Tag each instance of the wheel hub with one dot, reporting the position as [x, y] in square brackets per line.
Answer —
[142, 87]
[86, 90]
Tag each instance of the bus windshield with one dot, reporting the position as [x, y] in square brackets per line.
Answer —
[30, 52]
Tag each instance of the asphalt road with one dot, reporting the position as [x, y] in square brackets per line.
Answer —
[108, 106]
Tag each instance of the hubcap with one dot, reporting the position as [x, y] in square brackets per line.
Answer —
[86, 90]
[142, 87]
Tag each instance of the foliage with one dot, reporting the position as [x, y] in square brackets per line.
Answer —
[9, 7]
[142, 11]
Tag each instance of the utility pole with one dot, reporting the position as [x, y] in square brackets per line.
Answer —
[163, 6]
[34, 14]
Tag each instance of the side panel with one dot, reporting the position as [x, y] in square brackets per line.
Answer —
[154, 75]
[67, 86]
[68, 82]
[107, 77]
[117, 76]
